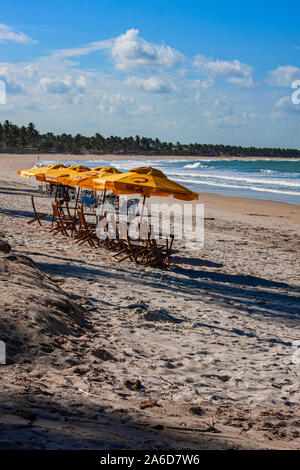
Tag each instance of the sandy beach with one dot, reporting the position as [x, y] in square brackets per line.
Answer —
[212, 340]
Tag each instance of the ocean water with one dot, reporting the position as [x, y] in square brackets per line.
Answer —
[277, 180]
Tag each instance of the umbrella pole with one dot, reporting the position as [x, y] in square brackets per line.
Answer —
[142, 213]
[76, 204]
[55, 201]
[103, 198]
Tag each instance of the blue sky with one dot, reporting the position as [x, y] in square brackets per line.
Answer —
[214, 72]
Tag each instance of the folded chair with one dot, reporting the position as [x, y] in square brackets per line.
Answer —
[86, 232]
[161, 252]
[146, 251]
[37, 216]
[62, 226]
[66, 216]
[131, 249]
[135, 250]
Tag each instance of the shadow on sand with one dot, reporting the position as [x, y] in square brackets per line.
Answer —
[253, 295]
[50, 424]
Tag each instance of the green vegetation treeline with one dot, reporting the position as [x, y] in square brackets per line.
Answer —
[27, 139]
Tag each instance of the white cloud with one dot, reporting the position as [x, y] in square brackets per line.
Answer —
[85, 50]
[40, 84]
[80, 82]
[226, 117]
[283, 76]
[113, 102]
[202, 84]
[52, 85]
[62, 86]
[244, 82]
[144, 109]
[152, 84]
[130, 51]
[234, 71]
[8, 34]
[286, 106]
[14, 85]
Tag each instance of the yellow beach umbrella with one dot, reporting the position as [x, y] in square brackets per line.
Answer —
[87, 183]
[109, 170]
[146, 181]
[84, 179]
[61, 174]
[75, 178]
[40, 171]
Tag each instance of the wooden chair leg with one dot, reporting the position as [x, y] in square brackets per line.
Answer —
[37, 216]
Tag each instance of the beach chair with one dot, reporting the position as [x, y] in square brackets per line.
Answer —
[86, 232]
[37, 217]
[146, 250]
[62, 226]
[139, 251]
[66, 216]
[161, 252]
[132, 250]
[157, 254]
[112, 243]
